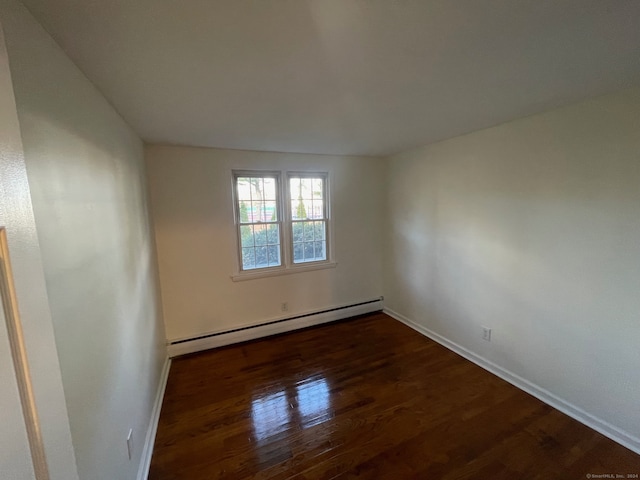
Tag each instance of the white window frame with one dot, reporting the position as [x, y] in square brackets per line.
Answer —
[285, 221]
[326, 208]
[279, 211]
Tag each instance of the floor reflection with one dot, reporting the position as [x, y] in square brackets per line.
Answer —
[305, 405]
[270, 415]
[313, 402]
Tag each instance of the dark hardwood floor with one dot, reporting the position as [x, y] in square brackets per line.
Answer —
[367, 398]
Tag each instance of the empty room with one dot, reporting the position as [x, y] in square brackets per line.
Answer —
[318, 239]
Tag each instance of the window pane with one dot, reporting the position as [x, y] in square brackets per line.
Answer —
[273, 235]
[299, 209]
[261, 257]
[317, 188]
[273, 253]
[243, 208]
[246, 236]
[270, 189]
[297, 230]
[308, 231]
[244, 188]
[294, 188]
[320, 251]
[271, 212]
[255, 210]
[318, 230]
[317, 210]
[308, 207]
[251, 188]
[308, 251]
[298, 252]
[248, 258]
[260, 234]
[306, 188]
[258, 192]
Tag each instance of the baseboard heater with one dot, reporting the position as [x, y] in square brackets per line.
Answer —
[271, 327]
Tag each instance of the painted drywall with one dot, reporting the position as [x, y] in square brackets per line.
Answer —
[86, 172]
[192, 208]
[16, 215]
[531, 228]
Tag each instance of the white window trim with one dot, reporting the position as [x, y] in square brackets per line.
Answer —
[285, 222]
[288, 227]
[236, 214]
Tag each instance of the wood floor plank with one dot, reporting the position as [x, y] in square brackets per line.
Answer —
[363, 398]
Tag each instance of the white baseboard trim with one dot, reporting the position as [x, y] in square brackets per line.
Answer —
[271, 326]
[605, 428]
[147, 450]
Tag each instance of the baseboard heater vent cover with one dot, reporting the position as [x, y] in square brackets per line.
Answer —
[271, 327]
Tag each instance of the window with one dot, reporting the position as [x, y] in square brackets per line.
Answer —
[308, 217]
[281, 236]
[258, 220]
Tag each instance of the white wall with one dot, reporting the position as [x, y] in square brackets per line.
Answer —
[86, 173]
[531, 228]
[16, 215]
[193, 214]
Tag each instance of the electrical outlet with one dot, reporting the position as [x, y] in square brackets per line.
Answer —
[285, 307]
[486, 334]
[130, 443]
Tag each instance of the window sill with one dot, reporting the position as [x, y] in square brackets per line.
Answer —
[241, 277]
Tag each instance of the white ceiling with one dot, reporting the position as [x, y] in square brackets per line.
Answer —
[342, 76]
